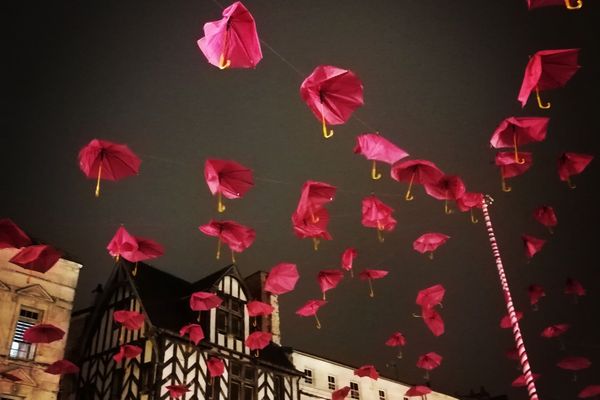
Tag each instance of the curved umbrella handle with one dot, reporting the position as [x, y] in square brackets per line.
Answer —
[474, 220]
[326, 134]
[577, 6]
[316, 242]
[408, 196]
[222, 63]
[539, 99]
[518, 160]
[447, 210]
[97, 192]
[220, 206]
[374, 174]
[570, 184]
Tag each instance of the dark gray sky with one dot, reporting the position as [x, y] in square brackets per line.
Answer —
[438, 76]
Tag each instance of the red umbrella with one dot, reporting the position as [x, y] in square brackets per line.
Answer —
[545, 3]
[574, 364]
[505, 321]
[282, 278]
[416, 391]
[377, 214]
[449, 187]
[204, 301]
[127, 351]
[122, 242]
[258, 308]
[370, 274]
[131, 320]
[11, 235]
[469, 201]
[232, 41]
[314, 196]
[227, 178]
[332, 94]
[589, 391]
[216, 367]
[429, 362]
[570, 164]
[574, 287]
[535, 293]
[553, 331]
[194, 333]
[368, 371]
[328, 279]
[62, 367]
[176, 391]
[147, 249]
[516, 131]
[236, 236]
[377, 148]
[429, 242]
[348, 258]
[532, 245]
[396, 340]
[310, 308]
[521, 380]
[548, 69]
[101, 159]
[39, 257]
[258, 340]
[433, 320]
[416, 171]
[546, 216]
[431, 297]
[43, 333]
[340, 394]
[509, 168]
[313, 225]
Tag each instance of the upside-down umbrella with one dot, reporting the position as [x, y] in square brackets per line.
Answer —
[328, 279]
[341, 393]
[332, 94]
[313, 225]
[589, 391]
[431, 296]
[348, 257]
[127, 351]
[377, 148]
[469, 201]
[433, 320]
[509, 168]
[227, 178]
[569, 4]
[147, 249]
[449, 187]
[575, 288]
[122, 242]
[38, 257]
[505, 321]
[416, 172]
[368, 371]
[204, 301]
[193, 331]
[216, 367]
[176, 391]
[396, 340]
[236, 236]
[521, 381]
[310, 308]
[131, 320]
[546, 216]
[101, 159]
[417, 391]
[43, 333]
[535, 293]
[516, 131]
[376, 214]
[258, 340]
[370, 274]
[429, 242]
[532, 245]
[282, 278]
[574, 364]
[11, 235]
[62, 367]
[232, 41]
[553, 331]
[429, 362]
[258, 309]
[548, 69]
[570, 164]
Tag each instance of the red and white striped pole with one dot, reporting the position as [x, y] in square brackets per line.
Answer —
[509, 303]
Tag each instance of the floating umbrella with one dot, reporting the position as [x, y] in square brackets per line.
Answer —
[377, 214]
[535, 293]
[332, 94]
[546, 216]
[589, 391]
[574, 288]
[449, 187]
[431, 296]
[147, 249]
[348, 258]
[553, 331]
[176, 391]
[127, 351]
[569, 4]
[131, 320]
[377, 148]
[101, 159]
[521, 381]
[282, 278]
[258, 309]
[62, 367]
[396, 340]
[227, 178]
[236, 236]
[216, 367]
[368, 371]
[312, 225]
[313, 196]
[194, 333]
[469, 201]
[204, 301]
[509, 168]
[429, 362]
[11, 235]
[341, 393]
[416, 391]
[548, 69]
[39, 257]
[232, 41]
[43, 333]
[505, 322]
[258, 340]
[310, 308]
[433, 320]
[121, 242]
[570, 164]
[328, 279]
[429, 242]
[574, 364]
[416, 172]
[370, 274]
[532, 245]
[516, 131]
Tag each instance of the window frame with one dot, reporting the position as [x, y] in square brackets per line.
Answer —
[242, 381]
[331, 381]
[354, 393]
[23, 322]
[230, 314]
[309, 377]
[382, 394]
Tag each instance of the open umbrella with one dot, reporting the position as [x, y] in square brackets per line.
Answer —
[313, 225]
[258, 309]
[176, 391]
[416, 172]
[429, 362]
[11, 235]
[204, 301]
[39, 257]
[574, 364]
[348, 258]
[368, 371]
[548, 69]
[570, 164]
[232, 41]
[236, 236]
[553, 331]
[469, 201]
[313, 196]
[517, 131]
[62, 367]
[310, 308]
[282, 278]
[510, 168]
[216, 367]
[328, 279]
[377, 214]
[532, 245]
[227, 178]
[431, 296]
[429, 242]
[505, 321]
[575, 288]
[417, 391]
[258, 340]
[127, 351]
[396, 340]
[370, 274]
[131, 320]
[332, 94]
[193, 331]
[589, 391]
[433, 320]
[521, 380]
[101, 159]
[546, 216]
[569, 4]
[43, 333]
[377, 148]
[449, 187]
[341, 393]
[535, 293]
[121, 242]
[147, 249]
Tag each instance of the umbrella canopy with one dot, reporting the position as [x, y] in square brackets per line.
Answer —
[258, 308]
[546, 216]
[62, 367]
[216, 367]
[310, 308]
[416, 391]
[548, 69]
[397, 339]
[510, 168]
[313, 196]
[570, 164]
[377, 148]
[204, 301]
[532, 245]
[147, 249]
[433, 320]
[232, 41]
[429, 361]
[505, 321]
[535, 293]
[553, 331]
[569, 4]
[517, 131]
[43, 333]
[131, 320]
[574, 287]
[194, 333]
[341, 393]
[282, 278]
[348, 257]
[332, 94]
[101, 159]
[449, 187]
[370, 274]
[227, 178]
[377, 214]
[313, 225]
[176, 391]
[574, 363]
[589, 391]
[328, 279]
[122, 242]
[416, 172]
[368, 371]
[39, 257]
[11, 235]
[521, 381]
[236, 236]
[469, 201]
[258, 340]
[127, 351]
[429, 242]
[431, 296]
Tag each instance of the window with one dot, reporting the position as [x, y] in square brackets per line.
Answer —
[331, 382]
[381, 394]
[308, 376]
[19, 348]
[242, 381]
[230, 317]
[354, 394]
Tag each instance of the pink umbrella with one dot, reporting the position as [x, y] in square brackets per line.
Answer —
[11, 235]
[328, 279]
[282, 278]
[433, 320]
[516, 131]
[570, 164]
[127, 351]
[236, 236]
[509, 168]
[227, 178]
[147, 249]
[535, 293]
[313, 196]
[505, 322]
[340, 394]
[258, 340]
[176, 391]
[216, 367]
[122, 242]
[429, 242]
[39, 257]
[377, 148]
[62, 367]
[332, 94]
[313, 225]
[310, 308]
[546, 216]
[370, 274]
[417, 391]
[416, 171]
[43, 333]
[232, 41]
[377, 214]
[469, 201]
[204, 301]
[574, 288]
[574, 364]
[194, 333]
[348, 258]
[257, 309]
[521, 381]
[589, 391]
[368, 371]
[431, 296]
[531, 4]
[532, 245]
[131, 320]
[553, 331]
[429, 362]
[396, 340]
[449, 187]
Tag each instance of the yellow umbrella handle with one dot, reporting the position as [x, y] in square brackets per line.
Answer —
[539, 99]
[570, 184]
[222, 63]
[374, 174]
[232, 257]
[518, 160]
[578, 5]
[316, 242]
[447, 209]
[135, 268]
[326, 134]
[505, 187]
[318, 322]
[431, 255]
[474, 220]
[97, 193]
[380, 236]
[219, 248]
[220, 206]
[371, 292]
[409, 196]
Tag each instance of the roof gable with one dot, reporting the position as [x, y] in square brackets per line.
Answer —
[36, 291]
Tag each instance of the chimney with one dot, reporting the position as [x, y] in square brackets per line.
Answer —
[256, 284]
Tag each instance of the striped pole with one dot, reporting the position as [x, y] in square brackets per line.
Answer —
[509, 303]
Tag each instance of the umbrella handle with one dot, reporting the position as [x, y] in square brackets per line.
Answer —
[570, 184]
[371, 292]
[218, 249]
[505, 187]
[222, 63]
[539, 99]
[326, 134]
[232, 257]
[314, 219]
[518, 160]
[578, 5]
[97, 192]
[374, 174]
[318, 322]
[380, 237]
[220, 206]
[430, 255]
[408, 196]
[474, 220]
[316, 242]
[447, 209]
[135, 268]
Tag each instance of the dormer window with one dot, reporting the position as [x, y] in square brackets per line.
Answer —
[230, 317]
